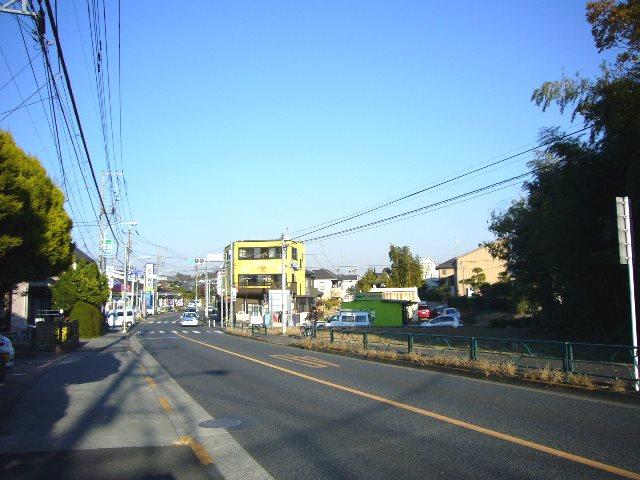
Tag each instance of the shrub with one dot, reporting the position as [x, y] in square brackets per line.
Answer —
[618, 385]
[89, 319]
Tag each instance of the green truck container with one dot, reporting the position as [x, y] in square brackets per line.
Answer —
[384, 313]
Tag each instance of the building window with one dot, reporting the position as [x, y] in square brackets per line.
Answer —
[259, 253]
[294, 253]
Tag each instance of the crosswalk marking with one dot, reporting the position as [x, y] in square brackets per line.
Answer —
[152, 331]
[174, 331]
[196, 331]
[312, 362]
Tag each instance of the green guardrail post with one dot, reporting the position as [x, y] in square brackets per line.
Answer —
[473, 348]
[331, 335]
[253, 330]
[365, 340]
[410, 343]
[567, 361]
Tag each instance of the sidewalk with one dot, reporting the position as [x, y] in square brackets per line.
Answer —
[92, 414]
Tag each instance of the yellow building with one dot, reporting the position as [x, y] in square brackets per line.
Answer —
[460, 268]
[256, 268]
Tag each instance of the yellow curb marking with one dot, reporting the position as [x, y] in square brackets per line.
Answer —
[165, 405]
[151, 382]
[443, 418]
[197, 448]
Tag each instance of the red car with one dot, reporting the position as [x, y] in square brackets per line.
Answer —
[423, 312]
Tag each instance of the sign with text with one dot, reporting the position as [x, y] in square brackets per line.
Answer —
[107, 247]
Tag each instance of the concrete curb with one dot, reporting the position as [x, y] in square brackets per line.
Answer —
[215, 445]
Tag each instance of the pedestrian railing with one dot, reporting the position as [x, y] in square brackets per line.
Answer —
[596, 360]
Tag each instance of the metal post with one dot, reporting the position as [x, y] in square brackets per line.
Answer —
[473, 348]
[410, 343]
[567, 360]
[206, 276]
[231, 284]
[632, 297]
[625, 240]
[365, 340]
[331, 335]
[283, 256]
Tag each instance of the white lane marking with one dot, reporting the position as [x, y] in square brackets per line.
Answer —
[174, 331]
[152, 331]
[218, 331]
[160, 331]
[161, 338]
[196, 331]
[185, 331]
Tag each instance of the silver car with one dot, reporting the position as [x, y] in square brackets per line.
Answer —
[443, 321]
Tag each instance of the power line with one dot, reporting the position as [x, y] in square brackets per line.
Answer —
[420, 209]
[331, 223]
[54, 29]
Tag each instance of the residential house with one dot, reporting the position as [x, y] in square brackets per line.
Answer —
[325, 281]
[460, 268]
[429, 271]
[28, 298]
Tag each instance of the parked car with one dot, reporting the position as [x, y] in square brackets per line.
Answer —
[424, 311]
[351, 318]
[189, 319]
[115, 318]
[453, 312]
[443, 321]
[439, 310]
[6, 350]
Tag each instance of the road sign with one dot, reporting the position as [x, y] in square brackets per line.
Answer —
[106, 248]
[624, 229]
[234, 294]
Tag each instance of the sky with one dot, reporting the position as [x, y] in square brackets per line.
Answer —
[241, 120]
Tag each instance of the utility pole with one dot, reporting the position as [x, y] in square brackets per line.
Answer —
[127, 251]
[625, 242]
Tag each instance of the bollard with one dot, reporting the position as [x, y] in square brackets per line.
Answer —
[410, 343]
[365, 340]
[331, 335]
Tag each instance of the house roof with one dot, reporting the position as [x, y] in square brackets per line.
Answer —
[451, 263]
[80, 255]
[324, 274]
[348, 277]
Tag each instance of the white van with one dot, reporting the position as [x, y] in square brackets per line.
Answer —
[351, 318]
[115, 317]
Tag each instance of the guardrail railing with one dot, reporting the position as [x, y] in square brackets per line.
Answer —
[596, 360]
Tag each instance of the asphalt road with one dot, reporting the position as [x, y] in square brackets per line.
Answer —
[306, 414]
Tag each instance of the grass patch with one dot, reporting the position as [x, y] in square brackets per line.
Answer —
[487, 368]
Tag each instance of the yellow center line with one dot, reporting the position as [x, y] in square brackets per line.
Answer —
[443, 418]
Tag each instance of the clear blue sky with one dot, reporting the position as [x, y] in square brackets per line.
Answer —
[243, 118]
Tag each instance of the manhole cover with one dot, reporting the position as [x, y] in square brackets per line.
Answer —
[227, 423]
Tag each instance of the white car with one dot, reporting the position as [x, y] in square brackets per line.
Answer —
[6, 350]
[115, 317]
[189, 319]
[453, 312]
[442, 321]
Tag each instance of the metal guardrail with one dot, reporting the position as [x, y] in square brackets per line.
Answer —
[596, 360]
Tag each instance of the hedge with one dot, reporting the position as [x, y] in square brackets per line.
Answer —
[89, 319]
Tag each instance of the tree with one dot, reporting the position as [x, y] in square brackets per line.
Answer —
[89, 319]
[476, 281]
[560, 241]
[35, 230]
[84, 283]
[406, 270]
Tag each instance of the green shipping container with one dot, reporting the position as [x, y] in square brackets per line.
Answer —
[386, 313]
